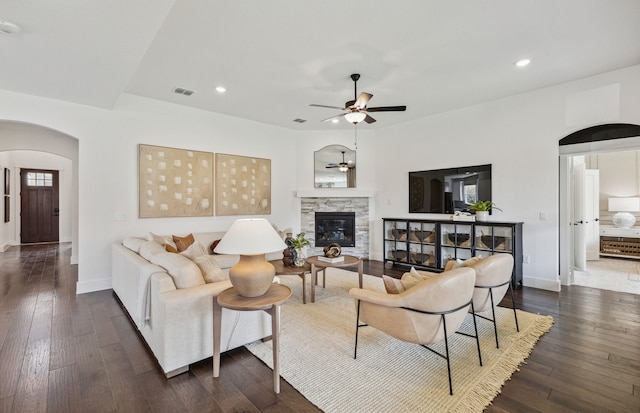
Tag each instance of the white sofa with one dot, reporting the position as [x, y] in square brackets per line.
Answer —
[176, 322]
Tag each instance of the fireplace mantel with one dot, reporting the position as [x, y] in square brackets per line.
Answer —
[336, 193]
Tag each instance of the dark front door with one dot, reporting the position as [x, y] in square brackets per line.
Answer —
[39, 209]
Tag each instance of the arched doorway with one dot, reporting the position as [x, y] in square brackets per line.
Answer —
[615, 137]
[18, 142]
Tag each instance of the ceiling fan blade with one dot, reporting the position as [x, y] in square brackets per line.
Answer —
[387, 109]
[363, 99]
[369, 119]
[333, 117]
[331, 166]
[326, 106]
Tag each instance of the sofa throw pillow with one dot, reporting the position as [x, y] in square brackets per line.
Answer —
[182, 243]
[451, 264]
[408, 280]
[392, 285]
[194, 251]
[149, 249]
[185, 273]
[213, 246]
[210, 269]
[133, 243]
[166, 242]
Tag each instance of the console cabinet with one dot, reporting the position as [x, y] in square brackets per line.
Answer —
[430, 244]
[620, 242]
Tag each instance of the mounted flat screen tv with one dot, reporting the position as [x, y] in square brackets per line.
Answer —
[446, 191]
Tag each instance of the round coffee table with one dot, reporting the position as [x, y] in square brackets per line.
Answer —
[319, 265]
[281, 269]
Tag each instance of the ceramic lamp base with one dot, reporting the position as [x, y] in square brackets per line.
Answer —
[623, 220]
[252, 275]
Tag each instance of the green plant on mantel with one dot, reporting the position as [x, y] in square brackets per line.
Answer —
[300, 241]
[483, 206]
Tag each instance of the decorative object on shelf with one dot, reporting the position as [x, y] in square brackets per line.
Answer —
[332, 250]
[624, 206]
[457, 238]
[482, 209]
[174, 182]
[243, 185]
[300, 242]
[289, 253]
[463, 216]
[251, 238]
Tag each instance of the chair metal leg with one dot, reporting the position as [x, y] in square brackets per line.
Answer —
[446, 346]
[513, 304]
[493, 312]
[355, 348]
[475, 327]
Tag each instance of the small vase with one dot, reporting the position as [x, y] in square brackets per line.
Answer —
[300, 257]
[482, 216]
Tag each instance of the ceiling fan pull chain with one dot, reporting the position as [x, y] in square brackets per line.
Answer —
[355, 126]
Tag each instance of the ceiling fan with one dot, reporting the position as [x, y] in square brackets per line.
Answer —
[357, 109]
[342, 166]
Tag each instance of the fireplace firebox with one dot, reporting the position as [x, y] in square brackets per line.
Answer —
[337, 227]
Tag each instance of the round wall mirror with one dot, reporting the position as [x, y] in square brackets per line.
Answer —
[335, 167]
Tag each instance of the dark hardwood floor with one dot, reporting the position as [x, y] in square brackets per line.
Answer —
[65, 353]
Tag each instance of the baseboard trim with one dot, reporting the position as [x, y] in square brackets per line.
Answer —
[91, 286]
[541, 283]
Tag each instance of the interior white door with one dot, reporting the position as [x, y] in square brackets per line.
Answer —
[592, 213]
[579, 202]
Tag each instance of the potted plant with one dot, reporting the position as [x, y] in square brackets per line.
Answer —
[300, 242]
[482, 209]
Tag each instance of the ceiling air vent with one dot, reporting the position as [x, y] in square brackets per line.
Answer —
[183, 91]
[298, 120]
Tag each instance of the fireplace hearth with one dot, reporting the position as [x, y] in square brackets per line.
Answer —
[333, 227]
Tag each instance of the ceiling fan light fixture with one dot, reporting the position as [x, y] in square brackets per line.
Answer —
[343, 167]
[355, 117]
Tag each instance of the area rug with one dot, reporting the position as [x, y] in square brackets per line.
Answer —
[389, 375]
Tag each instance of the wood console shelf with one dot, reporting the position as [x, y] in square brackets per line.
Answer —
[620, 242]
[428, 243]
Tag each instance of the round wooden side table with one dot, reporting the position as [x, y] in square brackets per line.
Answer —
[269, 302]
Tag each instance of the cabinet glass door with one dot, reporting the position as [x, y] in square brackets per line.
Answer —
[491, 238]
[395, 241]
[456, 242]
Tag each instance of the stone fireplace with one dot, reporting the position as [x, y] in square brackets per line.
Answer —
[335, 227]
[358, 206]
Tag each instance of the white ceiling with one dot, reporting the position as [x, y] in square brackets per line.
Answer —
[276, 57]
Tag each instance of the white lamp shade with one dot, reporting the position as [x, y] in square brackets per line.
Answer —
[355, 117]
[250, 236]
[624, 204]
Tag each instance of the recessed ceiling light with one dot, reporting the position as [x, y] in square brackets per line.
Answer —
[522, 62]
[9, 28]
[335, 120]
[221, 89]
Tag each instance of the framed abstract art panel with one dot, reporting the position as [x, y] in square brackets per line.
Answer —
[174, 182]
[243, 185]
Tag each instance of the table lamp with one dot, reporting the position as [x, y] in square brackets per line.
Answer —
[251, 238]
[623, 207]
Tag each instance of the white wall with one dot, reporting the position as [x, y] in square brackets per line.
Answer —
[519, 136]
[107, 167]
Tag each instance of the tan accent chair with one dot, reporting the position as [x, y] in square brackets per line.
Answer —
[427, 313]
[493, 280]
